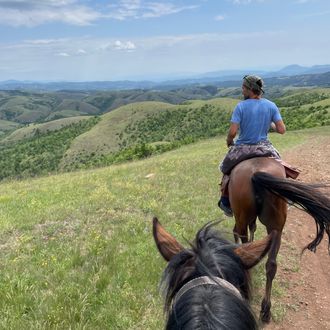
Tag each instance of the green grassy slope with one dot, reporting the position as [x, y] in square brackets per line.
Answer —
[42, 150]
[299, 97]
[104, 137]
[76, 249]
[82, 107]
[117, 129]
[25, 107]
[29, 131]
[7, 126]
[138, 130]
[28, 106]
[306, 109]
[146, 128]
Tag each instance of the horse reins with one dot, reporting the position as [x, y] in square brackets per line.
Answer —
[205, 280]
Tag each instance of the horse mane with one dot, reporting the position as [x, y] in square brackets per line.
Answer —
[209, 255]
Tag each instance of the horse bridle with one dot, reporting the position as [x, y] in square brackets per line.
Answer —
[205, 280]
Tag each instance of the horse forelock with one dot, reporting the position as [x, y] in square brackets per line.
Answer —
[210, 255]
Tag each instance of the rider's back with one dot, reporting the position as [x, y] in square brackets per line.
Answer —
[254, 117]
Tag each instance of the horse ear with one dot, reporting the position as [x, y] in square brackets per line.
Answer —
[251, 253]
[167, 245]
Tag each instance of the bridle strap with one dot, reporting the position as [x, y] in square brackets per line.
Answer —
[206, 280]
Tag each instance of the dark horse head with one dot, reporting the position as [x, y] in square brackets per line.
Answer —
[207, 285]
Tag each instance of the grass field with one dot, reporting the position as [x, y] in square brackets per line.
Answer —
[7, 126]
[104, 137]
[76, 249]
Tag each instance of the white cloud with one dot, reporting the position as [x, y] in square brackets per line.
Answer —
[23, 4]
[63, 54]
[115, 58]
[219, 18]
[129, 45]
[136, 9]
[41, 41]
[114, 45]
[161, 9]
[79, 12]
[81, 52]
[33, 13]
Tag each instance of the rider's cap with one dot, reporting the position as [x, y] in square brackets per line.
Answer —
[253, 82]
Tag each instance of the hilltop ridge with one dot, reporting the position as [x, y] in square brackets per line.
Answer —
[139, 130]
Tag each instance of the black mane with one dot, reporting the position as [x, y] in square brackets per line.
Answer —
[208, 306]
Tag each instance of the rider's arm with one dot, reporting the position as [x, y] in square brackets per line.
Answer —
[233, 129]
[279, 127]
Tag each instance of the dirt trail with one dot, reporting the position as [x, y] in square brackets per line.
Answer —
[307, 279]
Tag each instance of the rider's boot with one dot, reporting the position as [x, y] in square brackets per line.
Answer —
[224, 205]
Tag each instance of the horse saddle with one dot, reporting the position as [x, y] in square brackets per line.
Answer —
[290, 171]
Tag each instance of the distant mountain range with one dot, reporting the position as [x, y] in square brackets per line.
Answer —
[299, 70]
[227, 75]
[295, 75]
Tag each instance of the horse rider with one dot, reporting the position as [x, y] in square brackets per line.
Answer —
[252, 118]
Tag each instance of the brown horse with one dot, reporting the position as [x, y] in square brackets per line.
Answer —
[258, 188]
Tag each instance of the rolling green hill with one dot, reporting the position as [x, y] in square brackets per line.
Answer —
[29, 107]
[38, 150]
[306, 109]
[26, 107]
[141, 129]
[138, 130]
[29, 131]
[150, 122]
[300, 97]
[7, 126]
[77, 249]
[105, 135]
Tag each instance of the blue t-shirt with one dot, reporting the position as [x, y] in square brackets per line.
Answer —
[254, 117]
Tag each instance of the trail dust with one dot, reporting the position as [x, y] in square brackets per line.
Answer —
[306, 278]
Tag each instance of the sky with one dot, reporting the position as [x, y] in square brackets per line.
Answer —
[86, 40]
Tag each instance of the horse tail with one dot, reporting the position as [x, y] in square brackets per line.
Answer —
[307, 196]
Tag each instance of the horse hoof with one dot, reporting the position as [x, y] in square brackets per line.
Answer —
[265, 317]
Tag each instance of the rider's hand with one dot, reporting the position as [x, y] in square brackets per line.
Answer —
[230, 143]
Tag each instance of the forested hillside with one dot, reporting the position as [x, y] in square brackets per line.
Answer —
[137, 130]
[306, 109]
[41, 152]
[26, 107]
[141, 129]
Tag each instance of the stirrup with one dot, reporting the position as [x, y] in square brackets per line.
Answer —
[227, 210]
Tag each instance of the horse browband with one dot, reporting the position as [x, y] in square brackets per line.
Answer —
[206, 280]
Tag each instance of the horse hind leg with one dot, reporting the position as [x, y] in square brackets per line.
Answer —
[242, 223]
[240, 230]
[271, 268]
